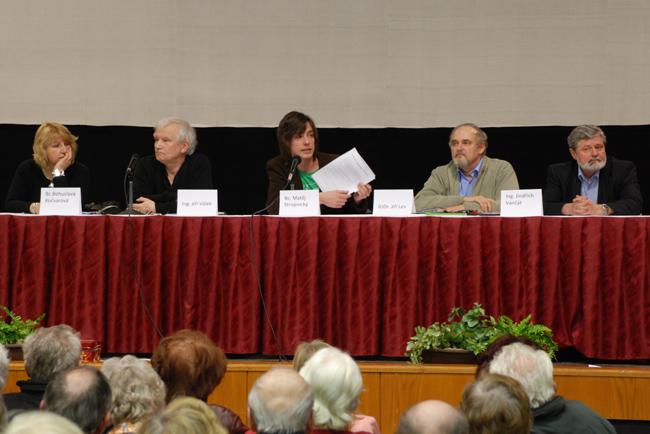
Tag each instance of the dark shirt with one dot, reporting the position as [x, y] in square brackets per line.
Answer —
[28, 180]
[229, 419]
[618, 187]
[151, 181]
[559, 416]
[29, 397]
[278, 171]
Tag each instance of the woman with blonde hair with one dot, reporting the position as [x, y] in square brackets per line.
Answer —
[184, 415]
[52, 165]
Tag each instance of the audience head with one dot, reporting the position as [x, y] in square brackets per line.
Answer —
[336, 381]
[486, 356]
[280, 401]
[50, 350]
[4, 366]
[189, 364]
[305, 350]
[432, 417]
[82, 395]
[183, 415]
[291, 125]
[183, 132]
[496, 404]
[531, 367]
[39, 422]
[137, 389]
[49, 137]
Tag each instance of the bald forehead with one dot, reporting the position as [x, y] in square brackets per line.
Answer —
[281, 381]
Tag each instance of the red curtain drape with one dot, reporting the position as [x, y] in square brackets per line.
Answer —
[361, 283]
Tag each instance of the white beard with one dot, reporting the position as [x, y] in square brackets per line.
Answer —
[593, 166]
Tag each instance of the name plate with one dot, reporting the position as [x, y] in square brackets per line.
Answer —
[299, 203]
[60, 201]
[393, 202]
[197, 203]
[521, 203]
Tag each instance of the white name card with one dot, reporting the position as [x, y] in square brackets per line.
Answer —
[197, 203]
[393, 202]
[60, 201]
[299, 203]
[521, 203]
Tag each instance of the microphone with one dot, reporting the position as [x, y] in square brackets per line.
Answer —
[132, 163]
[294, 165]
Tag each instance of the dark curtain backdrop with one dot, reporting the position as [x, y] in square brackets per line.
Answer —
[400, 157]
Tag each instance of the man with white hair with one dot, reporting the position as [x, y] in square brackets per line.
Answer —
[47, 351]
[280, 401]
[552, 413]
[174, 166]
[432, 417]
[592, 184]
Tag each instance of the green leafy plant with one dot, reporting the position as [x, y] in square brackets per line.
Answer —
[14, 329]
[473, 330]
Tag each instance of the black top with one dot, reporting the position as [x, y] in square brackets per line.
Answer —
[278, 171]
[618, 187]
[29, 398]
[28, 180]
[150, 180]
[559, 416]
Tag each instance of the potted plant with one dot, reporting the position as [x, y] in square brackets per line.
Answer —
[14, 329]
[473, 331]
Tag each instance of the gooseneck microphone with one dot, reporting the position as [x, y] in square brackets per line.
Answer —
[132, 163]
[294, 165]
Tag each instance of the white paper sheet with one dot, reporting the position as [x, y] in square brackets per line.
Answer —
[344, 173]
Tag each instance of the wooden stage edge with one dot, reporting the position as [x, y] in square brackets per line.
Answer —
[614, 391]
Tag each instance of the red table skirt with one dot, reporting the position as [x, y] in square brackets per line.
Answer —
[361, 283]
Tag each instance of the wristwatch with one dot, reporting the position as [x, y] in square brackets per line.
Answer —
[57, 172]
[606, 209]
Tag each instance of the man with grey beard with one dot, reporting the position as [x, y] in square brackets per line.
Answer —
[471, 181]
[591, 184]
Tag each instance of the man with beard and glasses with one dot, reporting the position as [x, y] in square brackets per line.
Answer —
[591, 184]
[471, 180]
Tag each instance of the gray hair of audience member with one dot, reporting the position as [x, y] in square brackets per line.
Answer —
[336, 381]
[137, 389]
[280, 401]
[4, 366]
[432, 417]
[496, 404]
[82, 395]
[38, 422]
[50, 350]
[186, 132]
[532, 368]
[185, 415]
[480, 135]
[584, 132]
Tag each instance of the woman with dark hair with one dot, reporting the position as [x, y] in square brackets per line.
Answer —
[298, 136]
[53, 165]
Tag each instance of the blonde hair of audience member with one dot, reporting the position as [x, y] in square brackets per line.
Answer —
[4, 366]
[137, 389]
[305, 350]
[39, 422]
[46, 134]
[532, 368]
[496, 404]
[183, 415]
[50, 350]
[336, 381]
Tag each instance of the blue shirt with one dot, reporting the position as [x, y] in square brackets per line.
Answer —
[589, 187]
[467, 184]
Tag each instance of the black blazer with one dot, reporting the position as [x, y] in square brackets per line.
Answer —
[278, 171]
[618, 187]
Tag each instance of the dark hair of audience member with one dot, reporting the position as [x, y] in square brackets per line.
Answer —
[189, 364]
[88, 406]
[486, 356]
[496, 404]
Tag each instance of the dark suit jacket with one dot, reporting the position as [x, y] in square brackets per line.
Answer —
[618, 187]
[278, 171]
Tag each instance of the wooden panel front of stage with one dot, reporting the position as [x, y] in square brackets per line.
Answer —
[616, 392]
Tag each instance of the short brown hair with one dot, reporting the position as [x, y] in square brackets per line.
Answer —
[305, 350]
[292, 124]
[48, 133]
[496, 404]
[190, 364]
